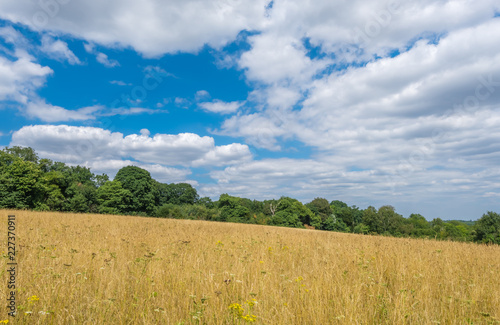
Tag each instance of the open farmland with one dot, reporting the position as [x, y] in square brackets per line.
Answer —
[104, 269]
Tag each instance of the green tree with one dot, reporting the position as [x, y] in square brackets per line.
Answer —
[292, 213]
[232, 210]
[18, 182]
[371, 219]
[419, 227]
[181, 193]
[321, 208]
[351, 216]
[487, 228]
[390, 220]
[143, 188]
[113, 198]
[25, 153]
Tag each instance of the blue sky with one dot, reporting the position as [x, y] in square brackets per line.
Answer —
[368, 103]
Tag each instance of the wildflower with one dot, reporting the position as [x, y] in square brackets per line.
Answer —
[219, 243]
[249, 318]
[261, 262]
[236, 309]
[4, 321]
[252, 302]
[299, 279]
[32, 299]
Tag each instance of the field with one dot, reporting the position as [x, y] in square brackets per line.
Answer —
[97, 269]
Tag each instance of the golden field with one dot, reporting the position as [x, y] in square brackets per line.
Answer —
[101, 269]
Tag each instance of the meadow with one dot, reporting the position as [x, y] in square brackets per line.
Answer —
[105, 269]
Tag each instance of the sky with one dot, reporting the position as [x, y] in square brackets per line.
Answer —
[368, 102]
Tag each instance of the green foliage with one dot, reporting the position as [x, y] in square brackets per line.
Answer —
[321, 208]
[332, 223]
[169, 210]
[18, 182]
[181, 193]
[292, 213]
[350, 216]
[487, 228]
[113, 198]
[25, 153]
[232, 210]
[143, 188]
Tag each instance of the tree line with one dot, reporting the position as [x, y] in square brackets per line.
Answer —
[28, 182]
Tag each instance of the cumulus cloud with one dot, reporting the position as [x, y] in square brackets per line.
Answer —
[20, 76]
[190, 24]
[80, 144]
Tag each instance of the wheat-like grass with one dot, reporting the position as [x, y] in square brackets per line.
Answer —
[101, 269]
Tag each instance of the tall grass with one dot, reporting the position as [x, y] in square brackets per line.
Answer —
[99, 269]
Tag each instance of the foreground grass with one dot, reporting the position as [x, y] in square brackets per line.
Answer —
[96, 269]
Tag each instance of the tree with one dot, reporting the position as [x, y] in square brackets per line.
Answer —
[113, 198]
[25, 153]
[419, 226]
[371, 219]
[292, 213]
[207, 202]
[351, 216]
[320, 207]
[487, 228]
[232, 210]
[139, 182]
[390, 220]
[181, 193]
[18, 183]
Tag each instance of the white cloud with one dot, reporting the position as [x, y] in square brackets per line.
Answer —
[132, 111]
[84, 144]
[100, 57]
[152, 27]
[202, 95]
[104, 60]
[225, 155]
[20, 78]
[58, 50]
[50, 113]
[12, 36]
[278, 59]
[218, 106]
[182, 102]
[120, 83]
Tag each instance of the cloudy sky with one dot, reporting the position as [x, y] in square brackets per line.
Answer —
[368, 102]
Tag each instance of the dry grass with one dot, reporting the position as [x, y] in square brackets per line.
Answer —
[96, 269]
